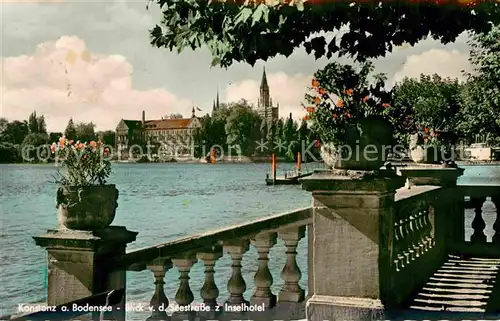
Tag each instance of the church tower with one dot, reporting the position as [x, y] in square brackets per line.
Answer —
[265, 106]
[216, 104]
[264, 99]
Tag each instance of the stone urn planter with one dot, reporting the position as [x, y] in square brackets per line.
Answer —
[366, 148]
[86, 207]
[421, 153]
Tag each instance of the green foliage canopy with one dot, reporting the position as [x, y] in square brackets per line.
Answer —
[480, 99]
[429, 102]
[247, 32]
[243, 127]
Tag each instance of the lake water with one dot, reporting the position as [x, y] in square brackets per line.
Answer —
[161, 202]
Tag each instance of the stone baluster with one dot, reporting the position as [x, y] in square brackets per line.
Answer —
[263, 242]
[496, 225]
[421, 231]
[184, 296]
[407, 240]
[291, 290]
[398, 238]
[478, 224]
[159, 301]
[428, 230]
[413, 236]
[236, 285]
[209, 291]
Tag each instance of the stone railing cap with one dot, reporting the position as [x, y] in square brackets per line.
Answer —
[336, 180]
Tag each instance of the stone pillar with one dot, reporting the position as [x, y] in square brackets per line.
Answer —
[77, 263]
[352, 213]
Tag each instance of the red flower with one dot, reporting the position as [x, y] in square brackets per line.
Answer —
[317, 143]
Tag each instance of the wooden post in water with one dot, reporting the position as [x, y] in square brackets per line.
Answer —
[273, 167]
[298, 163]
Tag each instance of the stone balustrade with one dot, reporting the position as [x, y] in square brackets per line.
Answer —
[208, 248]
[373, 246]
[412, 242]
[182, 254]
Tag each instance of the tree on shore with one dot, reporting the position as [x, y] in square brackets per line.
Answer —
[279, 144]
[290, 136]
[175, 116]
[428, 102]
[70, 131]
[36, 124]
[107, 137]
[33, 123]
[54, 136]
[3, 124]
[14, 132]
[243, 127]
[480, 97]
[31, 143]
[85, 132]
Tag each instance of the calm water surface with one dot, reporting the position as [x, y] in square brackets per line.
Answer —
[161, 202]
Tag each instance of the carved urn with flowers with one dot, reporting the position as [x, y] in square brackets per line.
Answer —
[350, 117]
[430, 146]
[84, 199]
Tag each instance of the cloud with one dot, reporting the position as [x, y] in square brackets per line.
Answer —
[63, 79]
[446, 63]
[287, 90]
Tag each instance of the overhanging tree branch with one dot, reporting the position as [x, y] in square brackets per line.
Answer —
[252, 31]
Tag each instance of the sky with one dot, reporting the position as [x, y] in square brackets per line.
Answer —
[91, 60]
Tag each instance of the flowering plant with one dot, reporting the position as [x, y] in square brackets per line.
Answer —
[341, 96]
[431, 136]
[87, 164]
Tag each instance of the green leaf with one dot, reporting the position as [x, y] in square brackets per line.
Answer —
[299, 4]
[282, 21]
[318, 45]
[262, 11]
[243, 16]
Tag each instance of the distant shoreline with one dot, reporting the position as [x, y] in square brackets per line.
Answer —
[256, 161]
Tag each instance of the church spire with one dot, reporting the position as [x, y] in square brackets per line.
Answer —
[263, 83]
[217, 103]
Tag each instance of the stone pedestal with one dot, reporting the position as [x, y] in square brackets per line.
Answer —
[77, 263]
[351, 213]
